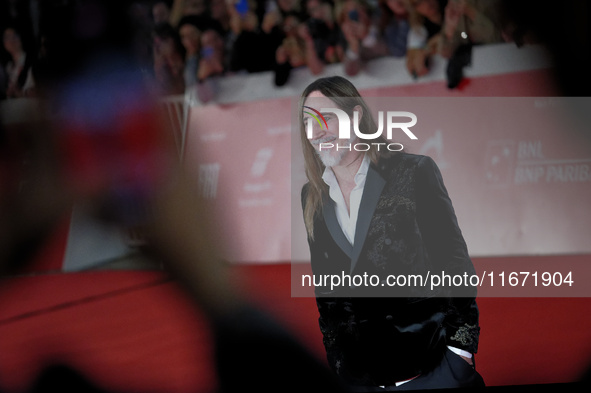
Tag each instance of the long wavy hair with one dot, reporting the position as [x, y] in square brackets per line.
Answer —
[346, 97]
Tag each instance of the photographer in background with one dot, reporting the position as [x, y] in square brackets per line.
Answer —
[169, 60]
[362, 41]
[213, 63]
[253, 44]
[190, 34]
[324, 30]
[467, 23]
[297, 50]
[424, 35]
[394, 25]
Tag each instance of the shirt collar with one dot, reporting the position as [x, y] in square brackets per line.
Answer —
[331, 180]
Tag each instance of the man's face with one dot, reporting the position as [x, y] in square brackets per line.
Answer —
[322, 135]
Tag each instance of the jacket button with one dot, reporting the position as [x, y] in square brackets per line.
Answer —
[388, 242]
[389, 317]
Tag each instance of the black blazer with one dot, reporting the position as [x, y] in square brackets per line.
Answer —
[377, 335]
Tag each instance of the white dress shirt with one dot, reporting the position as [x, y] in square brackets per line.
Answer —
[347, 220]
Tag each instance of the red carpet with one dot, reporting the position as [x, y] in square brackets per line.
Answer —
[132, 331]
[135, 331]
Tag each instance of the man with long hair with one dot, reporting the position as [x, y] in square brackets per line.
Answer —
[382, 214]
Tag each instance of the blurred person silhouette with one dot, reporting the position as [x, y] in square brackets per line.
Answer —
[169, 63]
[292, 51]
[104, 146]
[276, 11]
[470, 21]
[361, 40]
[213, 62]
[71, 163]
[272, 17]
[213, 57]
[253, 45]
[242, 18]
[161, 12]
[218, 10]
[19, 78]
[324, 30]
[394, 25]
[296, 50]
[424, 35]
[24, 17]
[189, 29]
[433, 12]
[467, 23]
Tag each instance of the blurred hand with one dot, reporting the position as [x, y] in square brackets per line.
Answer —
[281, 55]
[238, 23]
[163, 47]
[331, 55]
[416, 62]
[250, 21]
[350, 30]
[304, 32]
[235, 20]
[453, 12]
[433, 44]
[209, 67]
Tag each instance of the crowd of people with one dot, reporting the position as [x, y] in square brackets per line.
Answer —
[186, 43]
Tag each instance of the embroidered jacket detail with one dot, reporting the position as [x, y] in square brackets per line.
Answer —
[467, 335]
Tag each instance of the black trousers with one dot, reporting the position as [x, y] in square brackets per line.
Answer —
[453, 372]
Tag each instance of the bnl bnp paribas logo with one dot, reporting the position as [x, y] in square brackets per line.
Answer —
[345, 129]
